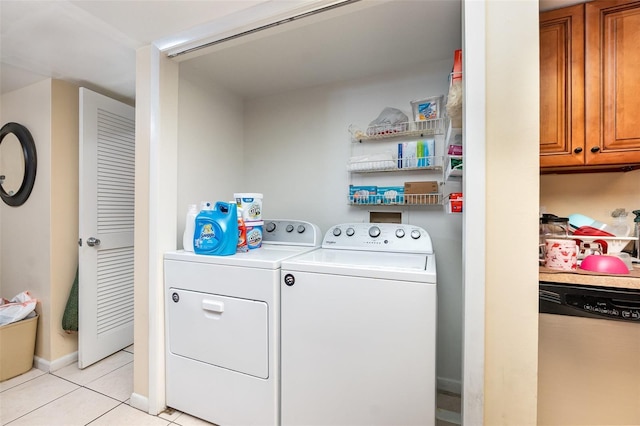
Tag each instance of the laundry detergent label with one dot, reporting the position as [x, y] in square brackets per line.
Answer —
[206, 238]
[255, 211]
[254, 237]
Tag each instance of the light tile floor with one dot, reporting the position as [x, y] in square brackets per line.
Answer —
[99, 396]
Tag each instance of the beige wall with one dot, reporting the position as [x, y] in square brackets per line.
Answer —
[38, 246]
[512, 184]
[144, 127]
[593, 194]
[26, 229]
[64, 209]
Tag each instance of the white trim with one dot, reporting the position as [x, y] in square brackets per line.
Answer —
[156, 397]
[140, 402]
[162, 210]
[55, 365]
[474, 189]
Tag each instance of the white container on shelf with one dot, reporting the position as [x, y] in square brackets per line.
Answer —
[189, 228]
[251, 205]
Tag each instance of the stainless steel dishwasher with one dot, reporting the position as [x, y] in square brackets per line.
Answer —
[588, 355]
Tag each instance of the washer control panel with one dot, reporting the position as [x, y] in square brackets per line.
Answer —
[391, 237]
[291, 232]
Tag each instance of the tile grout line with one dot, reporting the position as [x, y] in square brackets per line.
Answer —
[103, 414]
[43, 405]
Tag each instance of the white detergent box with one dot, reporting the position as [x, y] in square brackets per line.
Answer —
[409, 154]
[359, 194]
[390, 195]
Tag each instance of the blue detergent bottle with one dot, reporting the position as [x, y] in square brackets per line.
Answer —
[216, 230]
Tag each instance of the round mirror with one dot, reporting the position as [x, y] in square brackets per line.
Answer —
[17, 164]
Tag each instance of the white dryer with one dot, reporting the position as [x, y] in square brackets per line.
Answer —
[358, 321]
[222, 327]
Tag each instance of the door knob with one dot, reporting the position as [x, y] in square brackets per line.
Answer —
[92, 241]
[578, 150]
[595, 149]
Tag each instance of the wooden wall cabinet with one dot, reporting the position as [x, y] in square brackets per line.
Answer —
[590, 87]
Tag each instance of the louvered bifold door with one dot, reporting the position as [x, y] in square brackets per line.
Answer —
[107, 178]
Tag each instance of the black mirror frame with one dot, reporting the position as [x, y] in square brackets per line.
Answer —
[30, 163]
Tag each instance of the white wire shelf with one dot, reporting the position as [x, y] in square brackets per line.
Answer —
[395, 165]
[424, 128]
[433, 199]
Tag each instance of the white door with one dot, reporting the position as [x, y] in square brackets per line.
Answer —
[107, 147]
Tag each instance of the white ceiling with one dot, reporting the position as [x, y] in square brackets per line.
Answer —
[93, 43]
[353, 42]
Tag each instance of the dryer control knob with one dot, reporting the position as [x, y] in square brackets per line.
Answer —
[350, 232]
[400, 233]
[301, 229]
[289, 228]
[374, 232]
[415, 234]
[337, 232]
[271, 227]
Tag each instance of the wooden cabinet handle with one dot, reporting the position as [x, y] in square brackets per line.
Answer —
[578, 150]
[595, 149]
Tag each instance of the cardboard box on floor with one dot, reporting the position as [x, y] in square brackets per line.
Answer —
[17, 346]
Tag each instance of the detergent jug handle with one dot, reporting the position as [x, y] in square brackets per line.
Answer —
[225, 208]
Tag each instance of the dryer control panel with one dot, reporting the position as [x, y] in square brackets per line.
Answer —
[291, 233]
[387, 237]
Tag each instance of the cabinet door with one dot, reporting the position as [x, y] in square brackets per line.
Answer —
[562, 87]
[613, 82]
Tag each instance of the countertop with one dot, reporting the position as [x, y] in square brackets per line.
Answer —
[631, 281]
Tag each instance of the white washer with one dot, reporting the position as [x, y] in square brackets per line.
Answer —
[223, 324]
[358, 321]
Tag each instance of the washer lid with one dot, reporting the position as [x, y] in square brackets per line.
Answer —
[265, 257]
[390, 266]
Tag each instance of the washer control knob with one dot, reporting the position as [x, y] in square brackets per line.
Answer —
[350, 232]
[415, 234]
[289, 228]
[374, 232]
[301, 229]
[271, 227]
[336, 232]
[400, 233]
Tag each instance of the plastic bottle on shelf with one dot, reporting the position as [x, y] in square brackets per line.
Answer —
[189, 227]
[619, 227]
[216, 230]
[242, 233]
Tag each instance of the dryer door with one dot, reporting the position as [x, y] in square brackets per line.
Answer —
[228, 332]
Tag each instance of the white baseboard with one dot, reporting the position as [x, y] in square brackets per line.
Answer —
[56, 364]
[450, 385]
[140, 402]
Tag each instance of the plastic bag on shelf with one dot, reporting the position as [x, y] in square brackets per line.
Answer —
[454, 99]
[390, 120]
[16, 309]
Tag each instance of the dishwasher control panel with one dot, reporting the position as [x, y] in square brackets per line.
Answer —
[607, 307]
[590, 302]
